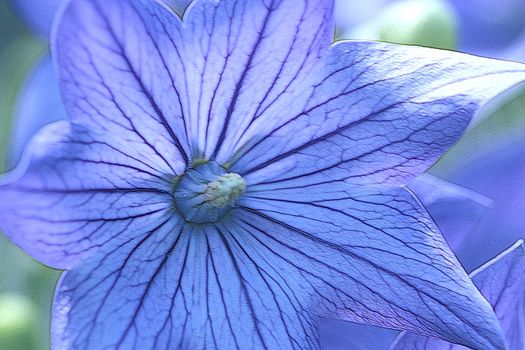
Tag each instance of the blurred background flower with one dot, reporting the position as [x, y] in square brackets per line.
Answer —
[489, 162]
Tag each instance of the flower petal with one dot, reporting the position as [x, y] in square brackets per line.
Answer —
[117, 76]
[373, 113]
[486, 29]
[179, 287]
[343, 335]
[246, 57]
[497, 171]
[76, 194]
[455, 209]
[38, 15]
[502, 282]
[38, 105]
[372, 255]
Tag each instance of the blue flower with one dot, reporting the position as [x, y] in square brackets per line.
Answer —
[454, 209]
[226, 181]
[39, 104]
[502, 282]
[496, 172]
[39, 15]
[487, 29]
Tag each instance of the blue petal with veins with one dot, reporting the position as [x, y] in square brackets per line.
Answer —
[347, 236]
[502, 282]
[325, 138]
[408, 103]
[76, 195]
[456, 212]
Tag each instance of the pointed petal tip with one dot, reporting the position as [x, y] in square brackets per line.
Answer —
[499, 282]
[518, 248]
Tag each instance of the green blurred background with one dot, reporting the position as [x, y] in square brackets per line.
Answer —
[26, 287]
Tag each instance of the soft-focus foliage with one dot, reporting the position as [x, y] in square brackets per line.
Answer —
[425, 22]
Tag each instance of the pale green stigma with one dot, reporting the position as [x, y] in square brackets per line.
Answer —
[207, 192]
[225, 190]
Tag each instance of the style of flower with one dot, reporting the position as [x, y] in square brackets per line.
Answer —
[226, 181]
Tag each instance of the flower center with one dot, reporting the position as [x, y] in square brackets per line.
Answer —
[206, 192]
